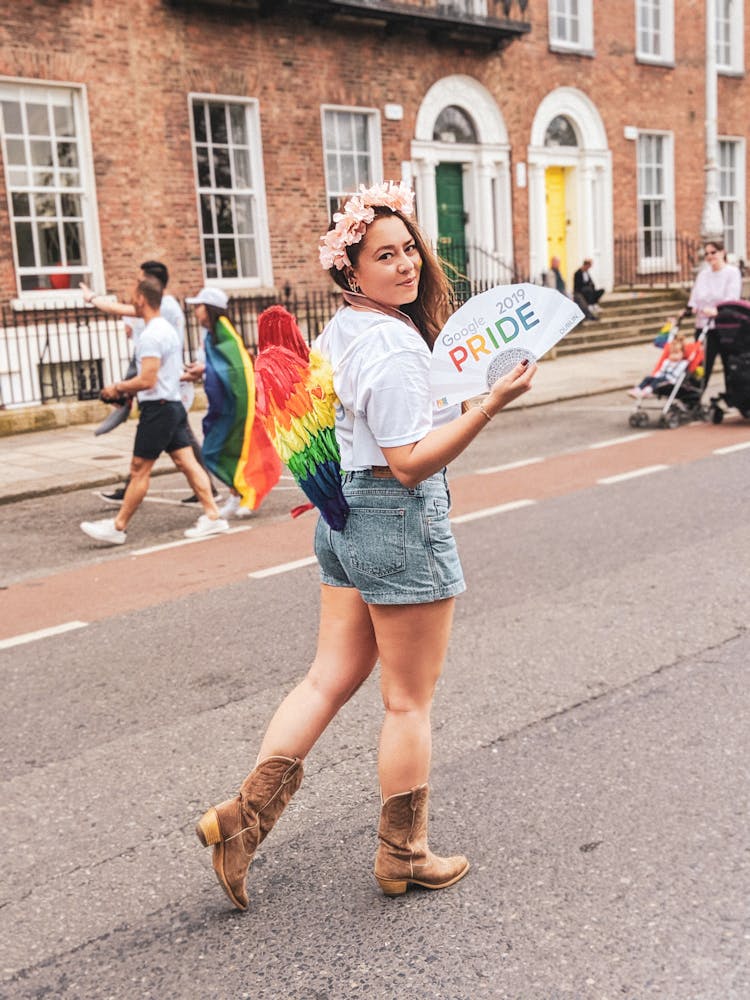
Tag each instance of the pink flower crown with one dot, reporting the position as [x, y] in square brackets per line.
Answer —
[351, 224]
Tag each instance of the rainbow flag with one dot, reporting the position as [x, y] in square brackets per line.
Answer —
[236, 447]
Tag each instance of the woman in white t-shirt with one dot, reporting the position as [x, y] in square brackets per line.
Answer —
[719, 282]
[390, 578]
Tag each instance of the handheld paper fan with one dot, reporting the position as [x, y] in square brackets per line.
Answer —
[494, 331]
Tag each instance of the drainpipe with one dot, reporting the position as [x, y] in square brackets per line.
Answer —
[712, 224]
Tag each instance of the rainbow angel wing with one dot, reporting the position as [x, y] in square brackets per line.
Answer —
[296, 404]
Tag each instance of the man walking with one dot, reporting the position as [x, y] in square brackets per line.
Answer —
[170, 311]
[162, 425]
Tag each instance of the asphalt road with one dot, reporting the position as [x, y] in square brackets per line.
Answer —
[591, 758]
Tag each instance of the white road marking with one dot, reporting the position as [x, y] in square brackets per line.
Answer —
[490, 511]
[41, 633]
[508, 465]
[187, 541]
[633, 474]
[732, 447]
[259, 574]
[620, 440]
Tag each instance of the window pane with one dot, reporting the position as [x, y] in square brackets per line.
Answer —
[248, 258]
[67, 154]
[223, 206]
[244, 216]
[222, 172]
[204, 172]
[41, 153]
[70, 178]
[217, 114]
[38, 119]
[12, 117]
[71, 205]
[242, 177]
[44, 204]
[73, 242]
[21, 205]
[199, 121]
[238, 124]
[207, 222]
[16, 151]
[42, 178]
[346, 132]
[348, 177]
[329, 130]
[360, 132]
[49, 243]
[17, 177]
[228, 258]
[25, 244]
[64, 121]
[209, 252]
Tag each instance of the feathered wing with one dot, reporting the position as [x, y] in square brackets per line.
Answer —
[297, 405]
[236, 447]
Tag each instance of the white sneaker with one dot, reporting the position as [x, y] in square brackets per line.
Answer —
[104, 531]
[231, 507]
[204, 527]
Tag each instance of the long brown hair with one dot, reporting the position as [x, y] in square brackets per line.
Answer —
[433, 305]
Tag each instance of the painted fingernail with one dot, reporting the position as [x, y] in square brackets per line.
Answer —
[525, 362]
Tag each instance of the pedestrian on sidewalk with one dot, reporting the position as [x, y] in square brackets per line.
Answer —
[162, 425]
[390, 578]
[171, 311]
[236, 447]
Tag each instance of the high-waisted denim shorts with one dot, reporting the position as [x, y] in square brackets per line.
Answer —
[397, 546]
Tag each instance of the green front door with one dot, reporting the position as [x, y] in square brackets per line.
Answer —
[451, 218]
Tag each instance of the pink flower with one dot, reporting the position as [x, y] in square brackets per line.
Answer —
[351, 224]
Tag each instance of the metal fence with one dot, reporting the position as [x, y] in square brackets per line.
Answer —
[70, 352]
[656, 258]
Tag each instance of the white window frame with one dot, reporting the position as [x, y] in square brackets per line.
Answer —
[661, 52]
[730, 36]
[372, 116]
[666, 260]
[13, 89]
[739, 249]
[582, 18]
[264, 277]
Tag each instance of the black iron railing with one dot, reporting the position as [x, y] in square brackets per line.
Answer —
[70, 352]
[656, 258]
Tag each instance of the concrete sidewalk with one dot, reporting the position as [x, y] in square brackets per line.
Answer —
[39, 463]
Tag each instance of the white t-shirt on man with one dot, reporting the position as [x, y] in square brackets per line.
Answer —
[382, 379]
[159, 339]
[171, 311]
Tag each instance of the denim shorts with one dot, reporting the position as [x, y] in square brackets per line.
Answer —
[397, 546]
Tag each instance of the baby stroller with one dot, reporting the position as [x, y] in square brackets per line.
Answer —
[680, 402]
[729, 337]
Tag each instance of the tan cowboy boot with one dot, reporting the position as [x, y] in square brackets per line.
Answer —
[237, 826]
[403, 856]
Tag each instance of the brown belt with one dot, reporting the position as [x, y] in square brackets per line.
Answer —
[382, 472]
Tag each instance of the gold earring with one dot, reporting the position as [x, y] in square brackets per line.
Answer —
[353, 286]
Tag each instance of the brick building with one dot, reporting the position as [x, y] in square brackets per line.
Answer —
[216, 135]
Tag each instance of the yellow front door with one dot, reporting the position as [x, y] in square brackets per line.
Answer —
[554, 186]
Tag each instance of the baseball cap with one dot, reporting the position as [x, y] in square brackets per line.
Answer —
[210, 297]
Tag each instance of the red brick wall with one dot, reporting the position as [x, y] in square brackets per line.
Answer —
[140, 60]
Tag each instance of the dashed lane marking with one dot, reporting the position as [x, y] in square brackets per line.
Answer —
[260, 574]
[509, 465]
[475, 515]
[625, 439]
[187, 541]
[633, 474]
[732, 447]
[40, 633]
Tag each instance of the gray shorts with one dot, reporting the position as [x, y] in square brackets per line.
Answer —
[397, 546]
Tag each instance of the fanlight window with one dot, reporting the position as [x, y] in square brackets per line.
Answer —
[454, 125]
[560, 132]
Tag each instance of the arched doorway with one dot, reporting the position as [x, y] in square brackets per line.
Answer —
[460, 159]
[570, 187]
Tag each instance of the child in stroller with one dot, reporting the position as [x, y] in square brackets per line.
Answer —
[675, 380]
